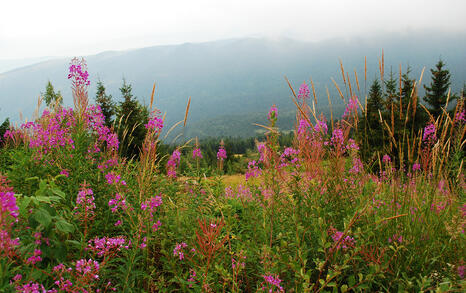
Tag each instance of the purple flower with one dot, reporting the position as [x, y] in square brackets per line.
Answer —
[386, 159]
[35, 258]
[321, 126]
[178, 251]
[461, 270]
[221, 154]
[429, 136]
[173, 163]
[351, 107]
[78, 73]
[155, 124]
[197, 153]
[303, 126]
[344, 243]
[416, 167]
[303, 92]
[272, 282]
[273, 113]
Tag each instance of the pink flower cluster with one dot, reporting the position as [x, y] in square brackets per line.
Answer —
[289, 156]
[272, 284]
[242, 192]
[386, 159]
[273, 113]
[8, 216]
[351, 107]
[221, 154]
[321, 126]
[78, 72]
[357, 166]
[155, 124]
[114, 179]
[105, 246]
[345, 242]
[192, 278]
[429, 136]
[119, 201]
[197, 153]
[151, 205]
[85, 205]
[89, 269]
[253, 170]
[178, 251]
[95, 121]
[303, 126]
[460, 117]
[173, 163]
[35, 258]
[32, 287]
[304, 92]
[52, 131]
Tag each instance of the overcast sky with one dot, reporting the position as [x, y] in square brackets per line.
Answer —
[34, 28]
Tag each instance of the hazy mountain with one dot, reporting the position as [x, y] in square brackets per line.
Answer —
[10, 64]
[234, 82]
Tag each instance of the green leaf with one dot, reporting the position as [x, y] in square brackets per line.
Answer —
[64, 226]
[58, 192]
[74, 243]
[43, 217]
[23, 205]
[42, 198]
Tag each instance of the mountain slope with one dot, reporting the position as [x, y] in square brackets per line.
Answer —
[235, 77]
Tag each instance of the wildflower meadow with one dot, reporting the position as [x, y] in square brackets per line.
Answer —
[312, 216]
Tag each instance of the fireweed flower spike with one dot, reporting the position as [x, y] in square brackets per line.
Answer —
[303, 92]
[173, 163]
[197, 153]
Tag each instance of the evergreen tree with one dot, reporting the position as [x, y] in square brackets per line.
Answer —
[371, 130]
[3, 128]
[105, 102]
[50, 96]
[131, 118]
[375, 102]
[391, 93]
[436, 93]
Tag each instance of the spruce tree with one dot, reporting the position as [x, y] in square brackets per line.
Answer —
[391, 93]
[105, 102]
[131, 118]
[372, 133]
[437, 91]
[50, 96]
[3, 128]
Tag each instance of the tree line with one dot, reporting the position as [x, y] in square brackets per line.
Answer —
[394, 111]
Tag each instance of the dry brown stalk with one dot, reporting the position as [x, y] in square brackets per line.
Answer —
[152, 97]
[314, 91]
[357, 81]
[342, 72]
[187, 111]
[339, 91]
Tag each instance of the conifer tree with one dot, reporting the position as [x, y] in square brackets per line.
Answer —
[372, 132]
[437, 91]
[131, 118]
[105, 102]
[390, 94]
[50, 96]
[3, 128]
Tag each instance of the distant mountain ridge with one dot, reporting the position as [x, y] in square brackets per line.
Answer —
[237, 77]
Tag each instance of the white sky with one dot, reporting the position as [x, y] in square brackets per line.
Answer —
[33, 28]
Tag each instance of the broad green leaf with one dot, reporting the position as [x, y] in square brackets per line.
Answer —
[64, 226]
[43, 217]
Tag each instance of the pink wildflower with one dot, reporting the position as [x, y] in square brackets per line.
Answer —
[304, 92]
[221, 154]
[197, 153]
